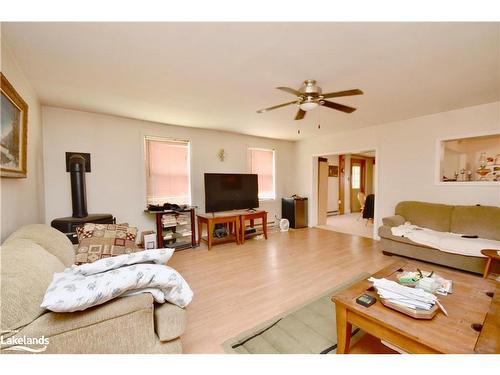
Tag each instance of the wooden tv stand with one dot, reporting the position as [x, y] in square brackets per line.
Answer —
[251, 216]
[235, 222]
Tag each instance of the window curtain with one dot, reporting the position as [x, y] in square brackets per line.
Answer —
[167, 168]
[262, 163]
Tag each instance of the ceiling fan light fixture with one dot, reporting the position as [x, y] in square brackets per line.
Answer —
[308, 106]
[309, 96]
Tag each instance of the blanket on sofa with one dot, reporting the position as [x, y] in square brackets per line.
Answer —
[448, 242]
[81, 287]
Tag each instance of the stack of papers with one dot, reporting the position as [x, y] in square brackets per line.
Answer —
[402, 295]
[168, 221]
[183, 219]
[184, 233]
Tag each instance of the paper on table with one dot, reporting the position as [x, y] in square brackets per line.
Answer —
[403, 295]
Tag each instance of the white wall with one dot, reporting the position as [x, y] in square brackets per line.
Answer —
[22, 198]
[406, 158]
[117, 184]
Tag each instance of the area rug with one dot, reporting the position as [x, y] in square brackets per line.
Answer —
[307, 329]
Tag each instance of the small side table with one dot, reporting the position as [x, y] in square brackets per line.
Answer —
[262, 215]
[232, 220]
[492, 255]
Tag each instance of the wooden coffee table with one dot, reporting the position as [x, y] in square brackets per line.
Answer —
[458, 332]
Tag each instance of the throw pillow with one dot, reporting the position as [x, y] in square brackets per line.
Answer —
[98, 241]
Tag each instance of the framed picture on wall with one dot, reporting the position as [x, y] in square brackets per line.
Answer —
[333, 171]
[14, 132]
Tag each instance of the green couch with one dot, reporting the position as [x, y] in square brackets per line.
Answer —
[29, 258]
[483, 221]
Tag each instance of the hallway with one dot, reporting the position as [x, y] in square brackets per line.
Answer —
[349, 223]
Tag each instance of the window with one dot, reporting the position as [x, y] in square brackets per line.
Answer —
[356, 176]
[261, 162]
[167, 171]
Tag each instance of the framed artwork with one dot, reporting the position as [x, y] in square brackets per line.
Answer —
[333, 171]
[14, 132]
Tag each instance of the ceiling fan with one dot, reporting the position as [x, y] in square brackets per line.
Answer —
[309, 97]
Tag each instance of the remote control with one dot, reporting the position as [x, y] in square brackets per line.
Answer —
[365, 300]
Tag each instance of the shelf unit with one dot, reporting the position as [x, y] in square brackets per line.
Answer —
[175, 229]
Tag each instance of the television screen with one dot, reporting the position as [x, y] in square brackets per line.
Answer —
[227, 191]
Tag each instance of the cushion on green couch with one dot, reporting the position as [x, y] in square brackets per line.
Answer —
[428, 215]
[50, 239]
[483, 221]
[26, 272]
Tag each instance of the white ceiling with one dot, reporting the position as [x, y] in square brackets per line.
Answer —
[216, 75]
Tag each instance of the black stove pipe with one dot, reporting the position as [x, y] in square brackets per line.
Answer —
[78, 193]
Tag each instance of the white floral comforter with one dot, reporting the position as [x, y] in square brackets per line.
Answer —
[81, 287]
[448, 242]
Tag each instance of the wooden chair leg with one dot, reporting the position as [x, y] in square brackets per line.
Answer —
[487, 268]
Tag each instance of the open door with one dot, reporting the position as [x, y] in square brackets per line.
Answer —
[322, 190]
[357, 185]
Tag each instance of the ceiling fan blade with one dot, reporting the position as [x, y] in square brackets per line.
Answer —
[289, 90]
[275, 107]
[300, 114]
[343, 93]
[337, 106]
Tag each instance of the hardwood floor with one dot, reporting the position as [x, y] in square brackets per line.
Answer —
[236, 287]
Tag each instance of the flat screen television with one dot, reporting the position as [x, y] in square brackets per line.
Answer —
[230, 191]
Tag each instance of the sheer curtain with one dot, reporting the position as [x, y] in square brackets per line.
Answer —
[167, 171]
[261, 162]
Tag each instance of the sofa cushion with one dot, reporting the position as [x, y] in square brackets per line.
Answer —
[170, 321]
[48, 238]
[98, 241]
[483, 221]
[393, 221]
[26, 272]
[428, 215]
[52, 323]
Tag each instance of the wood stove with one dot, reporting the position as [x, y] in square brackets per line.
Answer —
[80, 216]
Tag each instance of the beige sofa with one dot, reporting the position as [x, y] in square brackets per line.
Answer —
[483, 221]
[29, 258]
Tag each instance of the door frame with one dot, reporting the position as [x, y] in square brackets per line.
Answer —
[313, 212]
[321, 199]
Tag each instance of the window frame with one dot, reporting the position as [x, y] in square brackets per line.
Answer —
[358, 187]
[274, 169]
[145, 139]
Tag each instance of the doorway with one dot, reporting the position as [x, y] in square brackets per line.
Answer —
[357, 183]
[344, 183]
